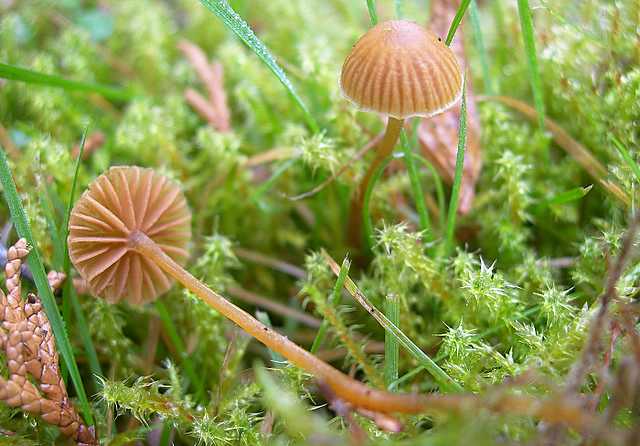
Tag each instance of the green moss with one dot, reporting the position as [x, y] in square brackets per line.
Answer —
[516, 295]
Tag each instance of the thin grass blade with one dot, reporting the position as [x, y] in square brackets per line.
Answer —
[439, 189]
[457, 19]
[367, 221]
[21, 223]
[526, 23]
[416, 186]
[635, 168]
[565, 197]
[269, 183]
[240, 28]
[399, 5]
[373, 15]
[172, 333]
[457, 179]
[336, 298]
[391, 346]
[478, 40]
[441, 377]
[69, 292]
[15, 73]
[565, 141]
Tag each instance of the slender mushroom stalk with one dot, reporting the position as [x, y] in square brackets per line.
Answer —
[128, 235]
[401, 70]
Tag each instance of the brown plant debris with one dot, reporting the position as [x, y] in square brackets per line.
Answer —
[438, 135]
[213, 109]
[34, 383]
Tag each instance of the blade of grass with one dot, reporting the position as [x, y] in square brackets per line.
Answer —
[635, 168]
[526, 24]
[271, 181]
[407, 376]
[69, 292]
[441, 377]
[21, 223]
[60, 244]
[50, 216]
[240, 28]
[391, 347]
[366, 202]
[399, 8]
[564, 197]
[58, 254]
[165, 436]
[373, 15]
[455, 23]
[21, 74]
[478, 39]
[457, 179]
[336, 298]
[172, 332]
[416, 187]
[439, 188]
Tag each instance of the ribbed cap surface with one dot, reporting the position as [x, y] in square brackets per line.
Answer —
[403, 70]
[117, 203]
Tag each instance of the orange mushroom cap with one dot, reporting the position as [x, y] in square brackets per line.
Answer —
[118, 203]
[402, 70]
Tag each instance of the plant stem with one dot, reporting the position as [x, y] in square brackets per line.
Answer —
[391, 346]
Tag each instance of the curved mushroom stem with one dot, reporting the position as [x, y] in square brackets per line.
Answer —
[389, 140]
[347, 388]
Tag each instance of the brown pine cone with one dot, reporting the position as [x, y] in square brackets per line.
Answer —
[30, 349]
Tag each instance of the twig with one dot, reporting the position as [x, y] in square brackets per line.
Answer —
[276, 307]
[270, 262]
[359, 154]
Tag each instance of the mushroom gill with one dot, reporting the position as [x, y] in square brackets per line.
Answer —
[122, 202]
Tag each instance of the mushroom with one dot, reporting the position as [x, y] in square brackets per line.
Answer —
[401, 70]
[119, 204]
[128, 237]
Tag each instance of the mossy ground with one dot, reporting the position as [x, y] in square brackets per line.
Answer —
[516, 294]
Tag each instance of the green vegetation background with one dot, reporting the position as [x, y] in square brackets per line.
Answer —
[516, 294]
